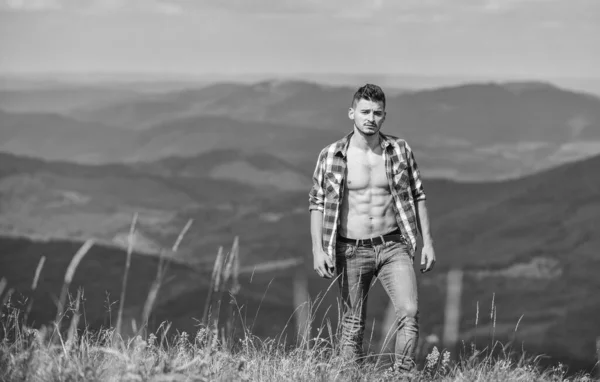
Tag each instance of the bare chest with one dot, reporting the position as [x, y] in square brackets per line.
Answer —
[365, 171]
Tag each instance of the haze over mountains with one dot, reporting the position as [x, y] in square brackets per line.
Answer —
[470, 132]
[237, 158]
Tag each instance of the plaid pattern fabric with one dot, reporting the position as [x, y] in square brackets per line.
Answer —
[403, 177]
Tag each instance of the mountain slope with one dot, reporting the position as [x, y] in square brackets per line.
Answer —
[468, 132]
[200, 135]
[69, 201]
[259, 169]
[481, 113]
[59, 98]
[55, 137]
[531, 243]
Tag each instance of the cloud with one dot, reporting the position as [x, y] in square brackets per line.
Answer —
[354, 9]
[359, 11]
[153, 6]
[402, 11]
[32, 5]
[168, 7]
[500, 6]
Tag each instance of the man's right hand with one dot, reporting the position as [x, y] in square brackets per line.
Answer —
[322, 264]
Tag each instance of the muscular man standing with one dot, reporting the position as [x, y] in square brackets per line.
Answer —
[367, 207]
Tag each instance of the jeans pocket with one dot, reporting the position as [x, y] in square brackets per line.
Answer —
[397, 250]
[345, 250]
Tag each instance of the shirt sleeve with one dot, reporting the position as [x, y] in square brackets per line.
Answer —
[316, 196]
[416, 185]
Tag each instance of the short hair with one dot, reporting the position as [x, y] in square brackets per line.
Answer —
[369, 92]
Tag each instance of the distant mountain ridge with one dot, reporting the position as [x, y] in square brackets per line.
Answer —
[258, 169]
[57, 137]
[479, 131]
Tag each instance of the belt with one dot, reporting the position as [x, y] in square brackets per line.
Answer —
[394, 236]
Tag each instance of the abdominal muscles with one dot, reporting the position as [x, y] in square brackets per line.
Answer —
[367, 210]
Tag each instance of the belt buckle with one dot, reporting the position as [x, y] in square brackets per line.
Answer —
[366, 242]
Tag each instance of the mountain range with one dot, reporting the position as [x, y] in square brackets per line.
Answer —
[485, 131]
[237, 159]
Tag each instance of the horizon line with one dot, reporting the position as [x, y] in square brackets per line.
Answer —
[167, 74]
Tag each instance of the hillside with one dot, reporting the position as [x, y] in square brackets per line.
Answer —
[57, 97]
[100, 274]
[266, 101]
[56, 137]
[69, 201]
[485, 113]
[484, 131]
[531, 242]
[259, 169]
[202, 134]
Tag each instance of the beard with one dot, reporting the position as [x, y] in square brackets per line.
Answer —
[369, 132]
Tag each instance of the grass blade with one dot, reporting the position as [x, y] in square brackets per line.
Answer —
[130, 244]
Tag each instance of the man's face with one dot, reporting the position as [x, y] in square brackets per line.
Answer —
[368, 116]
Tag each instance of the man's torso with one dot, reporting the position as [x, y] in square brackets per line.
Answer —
[329, 189]
[367, 207]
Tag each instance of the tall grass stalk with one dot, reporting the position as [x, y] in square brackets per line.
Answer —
[387, 327]
[130, 245]
[161, 271]
[3, 284]
[38, 272]
[72, 333]
[214, 281]
[34, 284]
[69, 278]
[300, 298]
[231, 283]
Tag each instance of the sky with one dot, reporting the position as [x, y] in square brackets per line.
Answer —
[505, 38]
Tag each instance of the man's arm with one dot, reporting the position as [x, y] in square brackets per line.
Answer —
[414, 175]
[316, 195]
[423, 221]
[316, 230]
[416, 185]
[321, 262]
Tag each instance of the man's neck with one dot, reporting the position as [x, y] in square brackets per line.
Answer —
[365, 142]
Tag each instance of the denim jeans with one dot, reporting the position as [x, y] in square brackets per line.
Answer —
[392, 264]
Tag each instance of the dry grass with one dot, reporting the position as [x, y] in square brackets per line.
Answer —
[30, 355]
[212, 353]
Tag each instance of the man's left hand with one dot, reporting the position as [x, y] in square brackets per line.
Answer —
[427, 258]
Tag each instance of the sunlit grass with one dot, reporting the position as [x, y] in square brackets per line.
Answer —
[47, 355]
[63, 351]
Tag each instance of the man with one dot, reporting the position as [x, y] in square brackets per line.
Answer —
[367, 206]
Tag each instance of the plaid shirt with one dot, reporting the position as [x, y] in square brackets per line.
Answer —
[403, 178]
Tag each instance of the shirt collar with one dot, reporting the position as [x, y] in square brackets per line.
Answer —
[342, 144]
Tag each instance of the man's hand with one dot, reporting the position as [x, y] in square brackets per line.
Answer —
[322, 264]
[427, 258]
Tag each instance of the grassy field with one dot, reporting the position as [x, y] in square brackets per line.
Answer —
[46, 354]
[217, 350]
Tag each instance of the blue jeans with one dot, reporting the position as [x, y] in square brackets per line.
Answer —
[392, 264]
